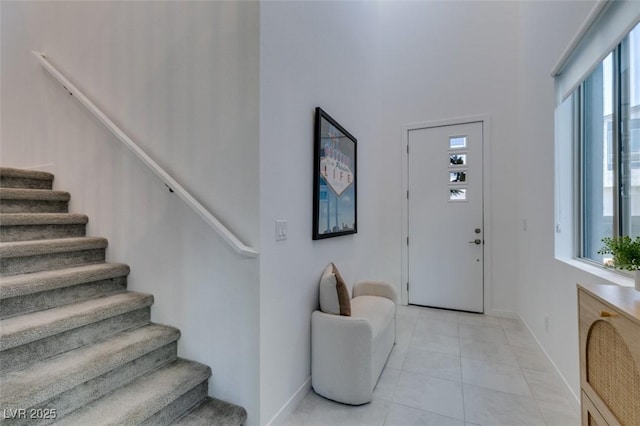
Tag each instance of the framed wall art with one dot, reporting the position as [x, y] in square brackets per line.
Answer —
[335, 209]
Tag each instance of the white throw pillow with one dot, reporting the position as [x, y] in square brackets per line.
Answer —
[333, 293]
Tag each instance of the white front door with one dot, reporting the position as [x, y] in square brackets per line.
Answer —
[445, 217]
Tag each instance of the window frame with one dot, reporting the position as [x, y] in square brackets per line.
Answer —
[619, 204]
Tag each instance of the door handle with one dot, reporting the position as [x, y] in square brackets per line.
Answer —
[477, 241]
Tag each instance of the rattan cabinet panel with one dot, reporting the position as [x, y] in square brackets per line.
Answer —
[609, 327]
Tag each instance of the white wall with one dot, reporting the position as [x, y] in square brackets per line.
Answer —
[433, 60]
[444, 60]
[182, 80]
[375, 68]
[546, 287]
[312, 54]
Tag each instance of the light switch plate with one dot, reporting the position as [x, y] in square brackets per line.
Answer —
[281, 230]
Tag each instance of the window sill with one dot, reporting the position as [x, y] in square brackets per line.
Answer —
[613, 276]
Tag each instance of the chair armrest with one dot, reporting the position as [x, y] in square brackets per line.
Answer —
[341, 357]
[347, 326]
[376, 288]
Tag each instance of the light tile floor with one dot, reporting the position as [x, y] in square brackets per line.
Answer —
[455, 369]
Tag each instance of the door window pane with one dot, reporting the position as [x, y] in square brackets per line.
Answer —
[458, 194]
[457, 142]
[456, 177]
[457, 159]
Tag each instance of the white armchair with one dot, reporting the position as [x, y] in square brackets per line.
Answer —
[348, 353]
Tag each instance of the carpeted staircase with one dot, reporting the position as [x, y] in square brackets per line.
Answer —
[77, 348]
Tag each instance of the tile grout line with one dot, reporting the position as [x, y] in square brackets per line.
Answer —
[404, 358]
[526, 379]
[464, 408]
[395, 386]
[426, 411]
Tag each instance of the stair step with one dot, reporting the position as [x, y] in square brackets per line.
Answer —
[43, 334]
[52, 383]
[91, 390]
[142, 401]
[24, 293]
[214, 412]
[72, 338]
[31, 327]
[21, 357]
[21, 257]
[20, 178]
[172, 411]
[33, 201]
[41, 226]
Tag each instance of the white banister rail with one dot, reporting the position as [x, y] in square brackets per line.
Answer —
[173, 186]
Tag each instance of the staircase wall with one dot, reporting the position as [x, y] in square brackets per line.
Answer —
[181, 80]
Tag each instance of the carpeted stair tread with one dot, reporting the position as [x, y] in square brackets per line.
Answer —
[33, 194]
[72, 338]
[25, 174]
[22, 329]
[41, 226]
[18, 219]
[49, 378]
[22, 257]
[214, 412]
[57, 245]
[140, 399]
[25, 284]
[28, 179]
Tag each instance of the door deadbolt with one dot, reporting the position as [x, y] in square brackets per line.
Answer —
[477, 230]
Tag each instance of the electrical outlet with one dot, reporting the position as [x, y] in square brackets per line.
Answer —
[281, 230]
[546, 323]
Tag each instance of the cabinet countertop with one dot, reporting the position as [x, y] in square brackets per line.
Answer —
[626, 300]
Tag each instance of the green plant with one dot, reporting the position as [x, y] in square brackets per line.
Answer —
[625, 251]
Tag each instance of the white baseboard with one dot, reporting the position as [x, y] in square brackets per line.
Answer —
[502, 314]
[566, 383]
[290, 406]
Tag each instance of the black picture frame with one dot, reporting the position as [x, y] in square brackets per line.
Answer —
[335, 191]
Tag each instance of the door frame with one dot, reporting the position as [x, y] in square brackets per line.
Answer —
[485, 119]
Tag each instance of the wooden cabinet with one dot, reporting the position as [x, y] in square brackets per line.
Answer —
[590, 414]
[609, 327]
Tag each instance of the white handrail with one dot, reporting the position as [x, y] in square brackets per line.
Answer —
[173, 186]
